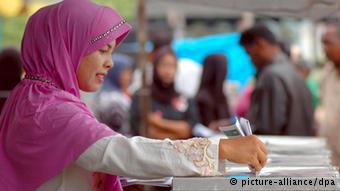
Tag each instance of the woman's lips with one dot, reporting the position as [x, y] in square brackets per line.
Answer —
[100, 76]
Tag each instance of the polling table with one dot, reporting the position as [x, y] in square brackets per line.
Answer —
[294, 163]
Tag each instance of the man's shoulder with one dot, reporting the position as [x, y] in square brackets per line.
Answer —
[280, 70]
[330, 72]
[270, 72]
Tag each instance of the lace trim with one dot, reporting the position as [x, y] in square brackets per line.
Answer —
[40, 79]
[196, 151]
[114, 28]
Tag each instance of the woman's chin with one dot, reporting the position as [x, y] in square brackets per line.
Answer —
[167, 84]
[92, 88]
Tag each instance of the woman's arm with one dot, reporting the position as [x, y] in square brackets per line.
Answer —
[140, 157]
[145, 158]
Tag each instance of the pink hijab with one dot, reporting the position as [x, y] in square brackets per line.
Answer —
[45, 126]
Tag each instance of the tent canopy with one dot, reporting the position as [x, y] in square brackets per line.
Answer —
[313, 9]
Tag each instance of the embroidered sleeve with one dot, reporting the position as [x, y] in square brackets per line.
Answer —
[143, 158]
[197, 151]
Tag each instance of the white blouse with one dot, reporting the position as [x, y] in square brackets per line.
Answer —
[138, 157]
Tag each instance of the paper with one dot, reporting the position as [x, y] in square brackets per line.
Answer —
[237, 128]
[162, 182]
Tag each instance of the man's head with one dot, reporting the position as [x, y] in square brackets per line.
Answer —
[261, 45]
[331, 42]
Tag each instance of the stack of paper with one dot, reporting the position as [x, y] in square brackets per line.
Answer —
[290, 152]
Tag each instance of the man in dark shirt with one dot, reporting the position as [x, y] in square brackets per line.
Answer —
[281, 102]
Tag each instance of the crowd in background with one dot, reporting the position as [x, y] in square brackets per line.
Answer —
[280, 100]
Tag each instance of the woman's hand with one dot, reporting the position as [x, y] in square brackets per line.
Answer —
[248, 150]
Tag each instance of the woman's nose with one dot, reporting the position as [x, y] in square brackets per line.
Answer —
[109, 63]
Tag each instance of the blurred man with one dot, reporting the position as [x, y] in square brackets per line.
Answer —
[281, 103]
[330, 90]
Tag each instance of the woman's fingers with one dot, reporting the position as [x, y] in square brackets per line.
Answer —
[256, 164]
[262, 157]
[263, 147]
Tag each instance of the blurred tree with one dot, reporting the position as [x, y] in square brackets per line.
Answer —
[10, 8]
[13, 26]
[13, 29]
[126, 8]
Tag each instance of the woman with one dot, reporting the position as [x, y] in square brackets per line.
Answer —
[212, 103]
[49, 140]
[113, 102]
[172, 116]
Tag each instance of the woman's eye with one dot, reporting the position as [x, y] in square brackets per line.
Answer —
[103, 50]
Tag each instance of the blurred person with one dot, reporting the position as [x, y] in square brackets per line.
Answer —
[10, 73]
[246, 21]
[211, 101]
[295, 54]
[281, 103]
[330, 90]
[188, 76]
[285, 48]
[112, 104]
[243, 103]
[172, 115]
[160, 35]
[304, 68]
[49, 138]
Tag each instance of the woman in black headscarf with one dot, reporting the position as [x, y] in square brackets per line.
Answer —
[10, 73]
[211, 101]
[172, 116]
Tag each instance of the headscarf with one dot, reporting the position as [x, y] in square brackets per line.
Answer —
[211, 88]
[44, 126]
[159, 91]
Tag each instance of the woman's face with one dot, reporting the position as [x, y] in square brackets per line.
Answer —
[166, 69]
[94, 67]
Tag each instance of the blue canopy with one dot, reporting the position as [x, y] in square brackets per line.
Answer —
[240, 68]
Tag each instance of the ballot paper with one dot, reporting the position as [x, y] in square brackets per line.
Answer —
[245, 125]
[237, 128]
